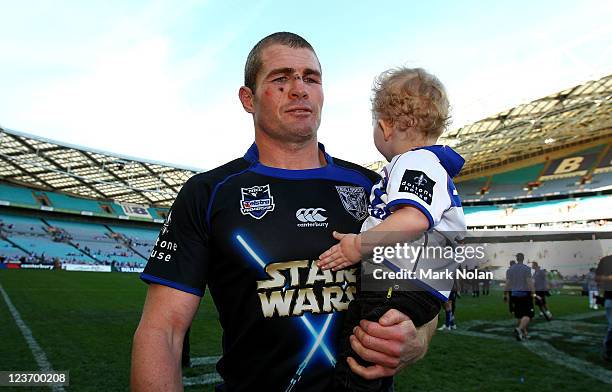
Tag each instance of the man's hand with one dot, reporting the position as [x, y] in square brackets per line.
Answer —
[391, 344]
[347, 252]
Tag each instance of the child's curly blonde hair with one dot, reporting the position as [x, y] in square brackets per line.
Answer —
[411, 97]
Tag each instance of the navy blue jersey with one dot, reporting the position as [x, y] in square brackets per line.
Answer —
[518, 277]
[251, 234]
[604, 275]
[539, 280]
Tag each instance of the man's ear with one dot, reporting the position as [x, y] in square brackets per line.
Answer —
[386, 128]
[246, 98]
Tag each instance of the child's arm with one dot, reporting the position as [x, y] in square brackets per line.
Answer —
[346, 252]
[404, 224]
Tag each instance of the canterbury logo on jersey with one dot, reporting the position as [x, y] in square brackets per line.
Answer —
[310, 215]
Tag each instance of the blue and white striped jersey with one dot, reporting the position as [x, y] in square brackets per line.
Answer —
[423, 178]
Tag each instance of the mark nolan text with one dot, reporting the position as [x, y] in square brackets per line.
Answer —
[429, 274]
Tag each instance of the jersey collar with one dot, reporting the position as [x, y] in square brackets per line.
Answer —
[331, 171]
[252, 155]
[449, 158]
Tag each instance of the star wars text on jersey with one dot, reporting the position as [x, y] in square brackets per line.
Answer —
[299, 286]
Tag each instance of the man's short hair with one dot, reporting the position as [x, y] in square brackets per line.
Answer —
[520, 257]
[253, 63]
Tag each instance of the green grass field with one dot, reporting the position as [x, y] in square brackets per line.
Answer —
[84, 322]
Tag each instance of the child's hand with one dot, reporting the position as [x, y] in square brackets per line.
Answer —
[341, 255]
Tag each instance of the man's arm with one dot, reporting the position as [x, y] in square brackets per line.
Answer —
[531, 286]
[392, 343]
[158, 341]
[507, 291]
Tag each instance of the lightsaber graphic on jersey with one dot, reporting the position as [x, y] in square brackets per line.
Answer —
[316, 335]
[298, 374]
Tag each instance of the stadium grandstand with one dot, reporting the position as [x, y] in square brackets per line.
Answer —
[548, 160]
[85, 209]
[543, 164]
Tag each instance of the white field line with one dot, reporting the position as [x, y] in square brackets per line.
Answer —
[38, 353]
[582, 316]
[551, 354]
[204, 379]
[210, 378]
[199, 361]
[547, 351]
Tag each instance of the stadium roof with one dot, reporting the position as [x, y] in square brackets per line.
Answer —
[34, 161]
[578, 116]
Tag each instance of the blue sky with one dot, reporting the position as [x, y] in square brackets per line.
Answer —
[159, 80]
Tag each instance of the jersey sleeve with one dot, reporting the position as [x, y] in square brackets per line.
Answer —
[180, 256]
[418, 179]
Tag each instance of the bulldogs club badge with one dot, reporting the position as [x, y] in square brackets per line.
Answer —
[256, 201]
[354, 200]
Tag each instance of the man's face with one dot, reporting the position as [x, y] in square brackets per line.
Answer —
[288, 99]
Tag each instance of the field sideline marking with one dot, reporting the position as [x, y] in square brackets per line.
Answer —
[210, 378]
[37, 351]
[551, 354]
[547, 351]
[199, 361]
[204, 379]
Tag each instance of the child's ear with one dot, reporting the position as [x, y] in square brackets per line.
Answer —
[386, 128]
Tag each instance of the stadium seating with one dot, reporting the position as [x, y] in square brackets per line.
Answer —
[22, 225]
[557, 187]
[561, 176]
[470, 190]
[155, 213]
[502, 198]
[30, 234]
[47, 249]
[142, 239]
[600, 181]
[66, 202]
[97, 241]
[16, 195]
[73, 241]
[9, 251]
[581, 209]
[25, 197]
[511, 184]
